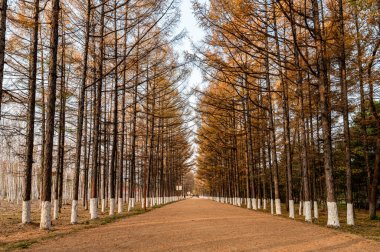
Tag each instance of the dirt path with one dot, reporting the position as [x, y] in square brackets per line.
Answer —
[203, 225]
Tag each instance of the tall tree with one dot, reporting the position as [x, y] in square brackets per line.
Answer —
[50, 113]
[3, 29]
[27, 188]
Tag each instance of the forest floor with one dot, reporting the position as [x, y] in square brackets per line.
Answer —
[363, 225]
[204, 225]
[14, 235]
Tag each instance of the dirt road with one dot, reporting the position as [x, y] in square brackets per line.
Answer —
[203, 225]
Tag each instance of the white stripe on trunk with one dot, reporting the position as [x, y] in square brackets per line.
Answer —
[350, 214]
[332, 215]
[93, 208]
[265, 204]
[25, 218]
[120, 205]
[254, 203]
[74, 212]
[271, 206]
[45, 215]
[307, 210]
[278, 206]
[291, 209]
[103, 205]
[112, 207]
[316, 215]
[56, 209]
[249, 203]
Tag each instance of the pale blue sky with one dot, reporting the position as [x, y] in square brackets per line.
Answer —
[194, 35]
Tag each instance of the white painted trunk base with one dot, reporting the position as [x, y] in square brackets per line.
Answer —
[129, 205]
[332, 214]
[25, 217]
[300, 208]
[258, 203]
[278, 206]
[74, 212]
[350, 214]
[112, 207]
[56, 209]
[291, 209]
[249, 203]
[120, 205]
[307, 211]
[316, 214]
[265, 204]
[271, 206]
[254, 203]
[133, 202]
[303, 210]
[103, 205]
[148, 202]
[45, 215]
[93, 208]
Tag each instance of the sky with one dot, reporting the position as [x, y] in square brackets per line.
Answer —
[195, 35]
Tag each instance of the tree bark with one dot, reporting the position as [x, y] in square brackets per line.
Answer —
[81, 105]
[33, 55]
[3, 28]
[50, 113]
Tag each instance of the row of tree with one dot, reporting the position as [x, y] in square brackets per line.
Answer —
[91, 105]
[291, 110]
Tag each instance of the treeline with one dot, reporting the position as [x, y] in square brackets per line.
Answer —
[91, 110]
[291, 113]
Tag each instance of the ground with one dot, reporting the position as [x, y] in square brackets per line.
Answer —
[204, 225]
[15, 235]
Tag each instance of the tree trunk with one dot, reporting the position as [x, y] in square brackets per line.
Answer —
[112, 182]
[324, 102]
[52, 88]
[346, 125]
[97, 115]
[27, 187]
[79, 133]
[3, 27]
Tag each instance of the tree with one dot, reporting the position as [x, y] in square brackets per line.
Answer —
[50, 113]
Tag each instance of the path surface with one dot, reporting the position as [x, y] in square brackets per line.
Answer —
[203, 225]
